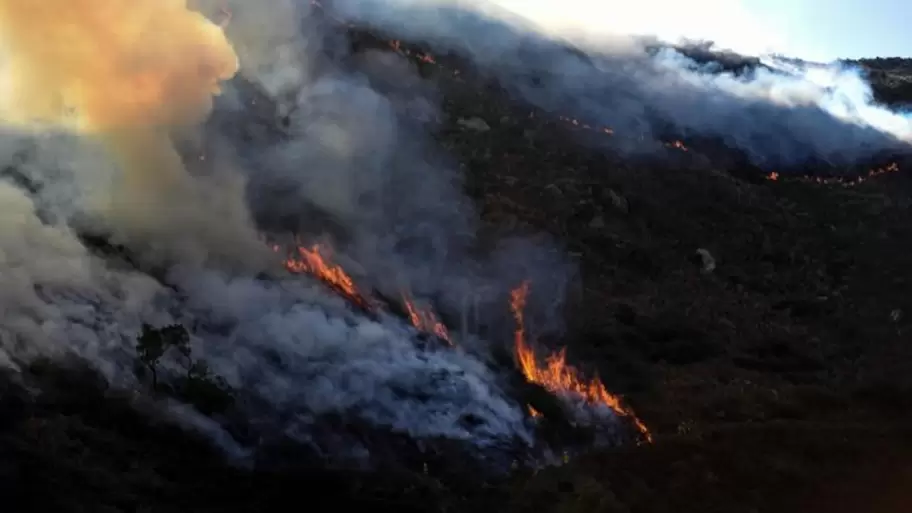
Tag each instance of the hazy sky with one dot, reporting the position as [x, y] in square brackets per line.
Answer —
[812, 29]
[822, 29]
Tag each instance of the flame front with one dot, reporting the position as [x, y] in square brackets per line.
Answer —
[315, 262]
[312, 261]
[425, 320]
[557, 376]
[851, 181]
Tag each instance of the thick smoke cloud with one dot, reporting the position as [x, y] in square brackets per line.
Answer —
[778, 116]
[297, 143]
[105, 69]
[352, 157]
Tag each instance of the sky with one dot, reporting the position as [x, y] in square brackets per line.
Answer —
[820, 30]
[826, 30]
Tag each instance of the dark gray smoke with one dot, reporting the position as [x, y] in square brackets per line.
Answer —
[779, 114]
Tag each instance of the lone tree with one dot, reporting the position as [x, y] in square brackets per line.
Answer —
[154, 342]
[209, 392]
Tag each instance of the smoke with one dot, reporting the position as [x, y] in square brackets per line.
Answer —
[135, 76]
[352, 160]
[112, 131]
[59, 299]
[645, 89]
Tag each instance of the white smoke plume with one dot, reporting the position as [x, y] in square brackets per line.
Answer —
[644, 90]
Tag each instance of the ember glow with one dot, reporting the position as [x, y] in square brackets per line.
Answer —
[585, 126]
[421, 56]
[850, 181]
[577, 124]
[556, 375]
[677, 145]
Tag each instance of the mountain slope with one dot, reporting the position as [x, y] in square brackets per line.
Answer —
[776, 379]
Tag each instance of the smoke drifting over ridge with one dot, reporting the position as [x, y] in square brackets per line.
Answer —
[780, 115]
[182, 197]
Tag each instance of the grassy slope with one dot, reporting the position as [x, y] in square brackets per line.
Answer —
[778, 382]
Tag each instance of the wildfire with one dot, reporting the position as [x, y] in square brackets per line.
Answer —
[585, 126]
[557, 376]
[316, 262]
[425, 320]
[396, 45]
[577, 124]
[892, 167]
[313, 262]
[677, 144]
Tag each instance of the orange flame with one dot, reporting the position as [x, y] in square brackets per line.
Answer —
[677, 144]
[851, 181]
[315, 262]
[556, 375]
[585, 126]
[311, 261]
[426, 57]
[425, 320]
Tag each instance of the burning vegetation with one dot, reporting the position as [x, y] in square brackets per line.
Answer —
[844, 181]
[314, 260]
[424, 319]
[555, 374]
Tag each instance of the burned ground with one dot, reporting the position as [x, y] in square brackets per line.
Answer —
[776, 379]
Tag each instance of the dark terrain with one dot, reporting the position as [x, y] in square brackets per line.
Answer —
[778, 381]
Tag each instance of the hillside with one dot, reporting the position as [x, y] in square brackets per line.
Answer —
[757, 323]
[890, 78]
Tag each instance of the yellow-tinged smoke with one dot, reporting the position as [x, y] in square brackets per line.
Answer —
[112, 64]
[134, 75]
